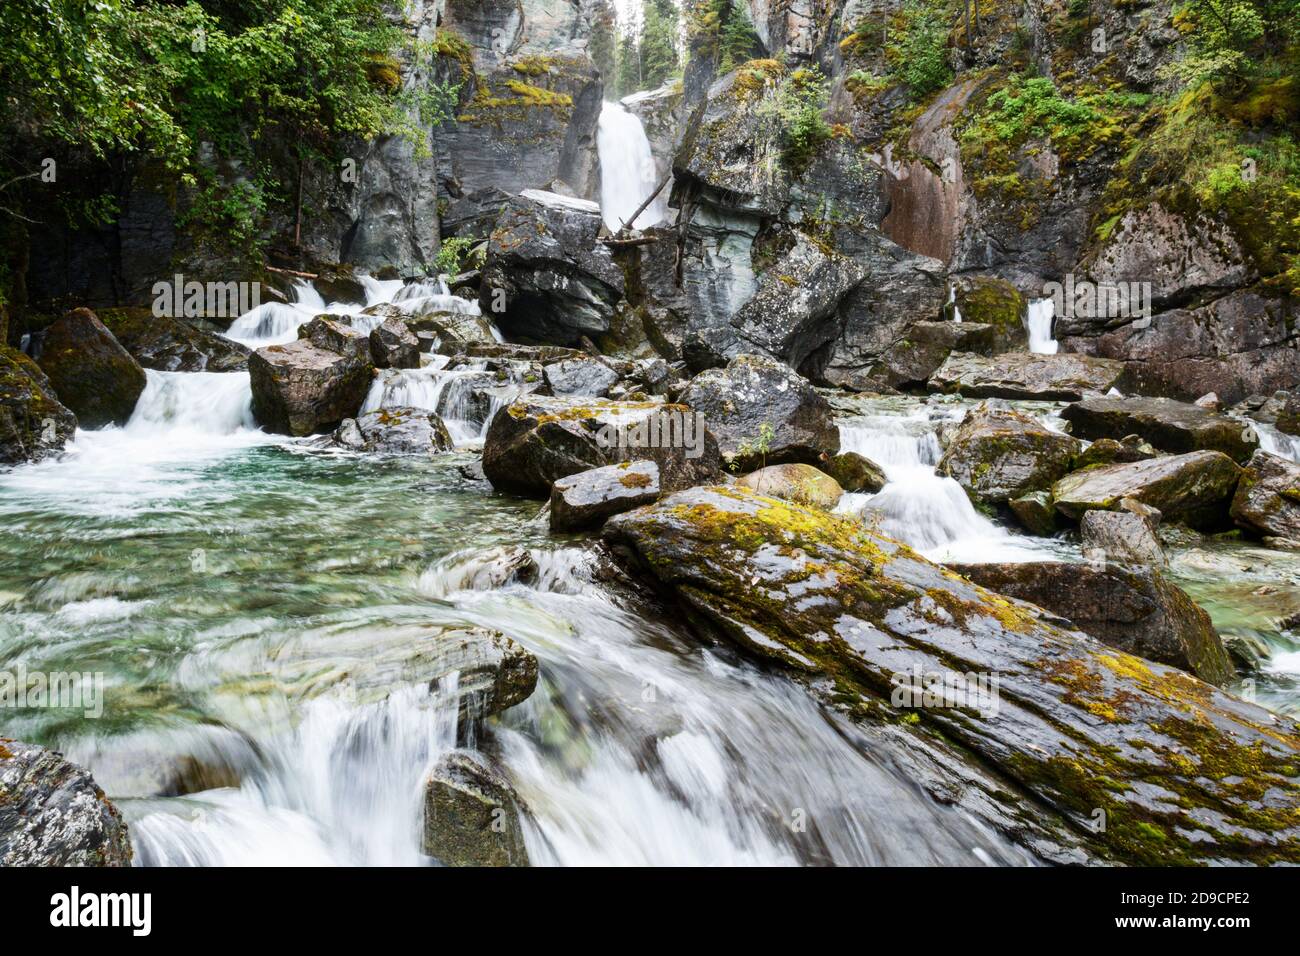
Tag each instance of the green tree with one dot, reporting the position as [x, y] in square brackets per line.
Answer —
[738, 41]
[658, 43]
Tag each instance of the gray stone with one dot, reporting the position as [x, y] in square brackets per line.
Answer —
[395, 431]
[579, 376]
[586, 499]
[471, 814]
[1194, 488]
[1121, 537]
[1267, 500]
[311, 385]
[1060, 377]
[1171, 426]
[802, 484]
[394, 345]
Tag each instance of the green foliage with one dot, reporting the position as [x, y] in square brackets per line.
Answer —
[738, 40]
[917, 50]
[794, 113]
[755, 446]
[455, 254]
[659, 54]
[603, 46]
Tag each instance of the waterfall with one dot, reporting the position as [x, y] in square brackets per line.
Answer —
[627, 170]
[925, 510]
[1038, 323]
[952, 303]
[466, 397]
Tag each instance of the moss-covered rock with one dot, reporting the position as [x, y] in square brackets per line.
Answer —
[1267, 500]
[90, 370]
[995, 303]
[172, 345]
[802, 484]
[856, 473]
[471, 814]
[1181, 772]
[998, 454]
[1168, 425]
[1194, 489]
[1061, 377]
[33, 422]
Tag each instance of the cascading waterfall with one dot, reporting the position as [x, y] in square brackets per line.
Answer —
[627, 170]
[1038, 323]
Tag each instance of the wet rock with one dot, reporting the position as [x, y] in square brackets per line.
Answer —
[586, 499]
[1249, 652]
[537, 440]
[1193, 488]
[1083, 726]
[34, 424]
[1209, 401]
[1288, 416]
[1122, 537]
[172, 345]
[998, 454]
[793, 313]
[995, 303]
[1135, 610]
[90, 371]
[396, 431]
[802, 484]
[1170, 426]
[545, 264]
[311, 385]
[1267, 500]
[911, 361]
[753, 392]
[1061, 377]
[1108, 451]
[471, 814]
[1036, 511]
[579, 376]
[856, 473]
[394, 345]
[53, 814]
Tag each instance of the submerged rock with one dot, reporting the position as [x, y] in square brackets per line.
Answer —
[34, 424]
[763, 412]
[1267, 501]
[471, 814]
[53, 814]
[1061, 377]
[396, 431]
[172, 345]
[1170, 426]
[537, 440]
[586, 499]
[802, 484]
[1136, 610]
[1194, 488]
[998, 454]
[1182, 772]
[90, 371]
[313, 384]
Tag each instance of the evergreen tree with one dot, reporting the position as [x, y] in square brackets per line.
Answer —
[738, 42]
[658, 42]
[628, 79]
[604, 42]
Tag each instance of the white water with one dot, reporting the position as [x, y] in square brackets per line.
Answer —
[457, 395]
[1038, 323]
[917, 506]
[1277, 442]
[627, 170]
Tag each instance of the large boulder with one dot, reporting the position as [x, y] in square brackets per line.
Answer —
[471, 814]
[763, 412]
[1121, 536]
[911, 361]
[166, 344]
[998, 454]
[579, 376]
[1267, 500]
[1168, 425]
[1194, 488]
[394, 345]
[1181, 772]
[802, 484]
[34, 424]
[856, 473]
[548, 278]
[90, 371]
[53, 814]
[533, 442]
[793, 313]
[395, 431]
[586, 499]
[1135, 610]
[1064, 378]
[311, 385]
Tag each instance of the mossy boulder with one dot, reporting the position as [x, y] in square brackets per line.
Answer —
[537, 440]
[1182, 772]
[998, 454]
[764, 412]
[802, 484]
[1136, 610]
[396, 431]
[1171, 426]
[90, 370]
[173, 345]
[53, 814]
[1059, 378]
[996, 303]
[34, 424]
[1267, 500]
[856, 473]
[1194, 489]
